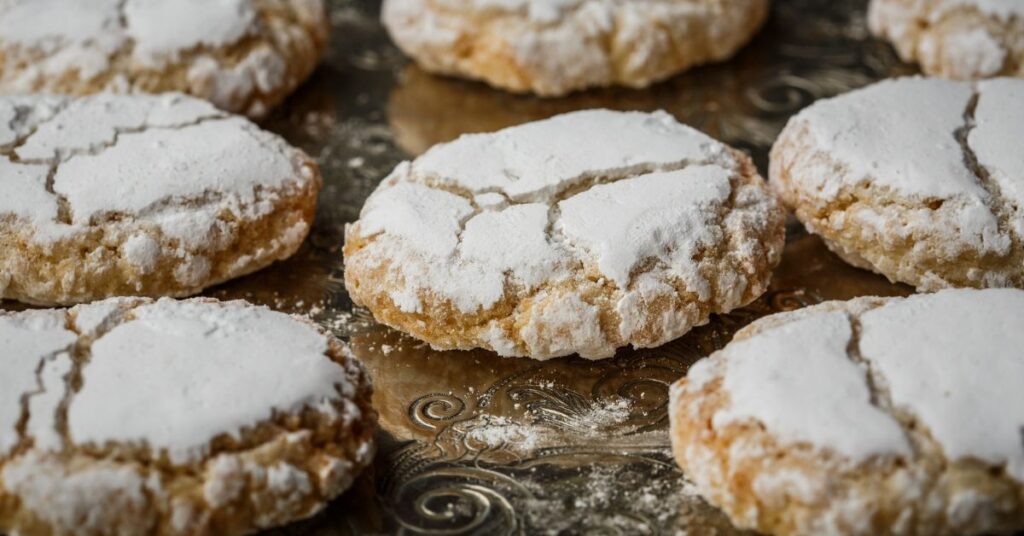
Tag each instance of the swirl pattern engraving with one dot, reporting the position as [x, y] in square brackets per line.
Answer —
[476, 445]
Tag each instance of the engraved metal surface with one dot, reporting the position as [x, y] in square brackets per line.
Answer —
[476, 444]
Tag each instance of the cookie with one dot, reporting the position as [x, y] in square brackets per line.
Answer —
[873, 416]
[141, 195]
[245, 56]
[919, 179]
[133, 416]
[579, 234]
[553, 48]
[959, 39]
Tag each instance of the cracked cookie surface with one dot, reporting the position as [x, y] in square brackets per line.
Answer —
[245, 56]
[134, 416]
[555, 47]
[578, 234]
[960, 39]
[919, 179]
[868, 417]
[141, 195]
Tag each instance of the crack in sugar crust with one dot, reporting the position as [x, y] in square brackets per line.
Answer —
[935, 218]
[112, 195]
[767, 477]
[31, 340]
[244, 472]
[501, 241]
[960, 39]
[243, 55]
[553, 48]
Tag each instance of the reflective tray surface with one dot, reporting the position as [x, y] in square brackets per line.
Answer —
[472, 443]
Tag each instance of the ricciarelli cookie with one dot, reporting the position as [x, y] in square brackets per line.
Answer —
[245, 56]
[555, 47]
[875, 416]
[919, 179]
[141, 195]
[578, 234]
[961, 39]
[133, 416]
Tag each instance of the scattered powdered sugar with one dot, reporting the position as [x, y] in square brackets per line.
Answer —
[623, 495]
[501, 432]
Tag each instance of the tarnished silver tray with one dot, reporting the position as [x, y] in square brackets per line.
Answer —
[475, 444]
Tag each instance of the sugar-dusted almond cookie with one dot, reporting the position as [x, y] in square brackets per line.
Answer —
[578, 234]
[553, 47]
[245, 56]
[875, 416]
[133, 416]
[919, 179]
[141, 195]
[961, 39]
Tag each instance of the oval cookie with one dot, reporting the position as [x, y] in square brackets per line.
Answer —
[961, 39]
[869, 417]
[552, 48]
[919, 179]
[133, 416]
[245, 56]
[141, 195]
[578, 234]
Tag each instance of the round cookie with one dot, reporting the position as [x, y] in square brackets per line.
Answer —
[874, 416]
[960, 39]
[919, 179]
[141, 195]
[133, 416]
[578, 234]
[245, 56]
[551, 48]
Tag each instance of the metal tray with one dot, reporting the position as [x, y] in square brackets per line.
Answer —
[475, 444]
[472, 443]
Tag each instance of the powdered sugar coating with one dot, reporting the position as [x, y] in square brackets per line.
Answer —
[1003, 9]
[554, 47]
[147, 170]
[954, 360]
[994, 140]
[900, 131]
[915, 178]
[181, 360]
[536, 10]
[959, 39]
[535, 161]
[28, 341]
[153, 403]
[85, 30]
[134, 156]
[798, 381]
[227, 157]
[161, 29]
[625, 223]
[842, 417]
[639, 203]
[241, 54]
